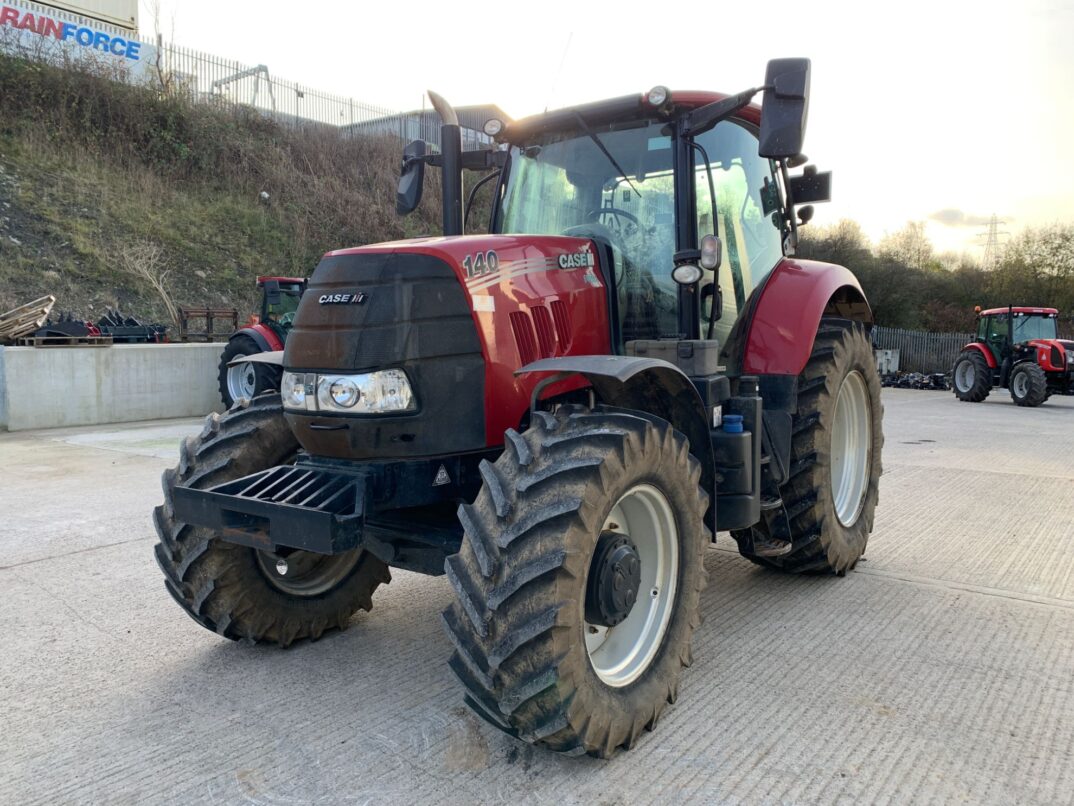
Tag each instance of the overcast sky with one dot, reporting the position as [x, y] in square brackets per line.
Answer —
[943, 111]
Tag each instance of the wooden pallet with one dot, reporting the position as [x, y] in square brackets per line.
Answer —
[25, 319]
[65, 341]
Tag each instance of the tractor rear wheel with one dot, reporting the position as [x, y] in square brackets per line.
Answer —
[578, 581]
[244, 593]
[828, 501]
[1028, 384]
[247, 380]
[972, 377]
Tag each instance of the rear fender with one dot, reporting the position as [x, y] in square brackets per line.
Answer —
[783, 324]
[263, 336]
[647, 386]
[991, 359]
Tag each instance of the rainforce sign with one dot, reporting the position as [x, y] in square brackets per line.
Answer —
[70, 33]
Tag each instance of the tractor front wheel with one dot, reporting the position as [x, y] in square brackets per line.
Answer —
[246, 380]
[579, 579]
[1028, 384]
[244, 593]
[827, 504]
[972, 377]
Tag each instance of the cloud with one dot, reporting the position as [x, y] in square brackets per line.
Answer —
[953, 217]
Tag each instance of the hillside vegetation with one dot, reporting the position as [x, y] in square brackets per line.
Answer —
[97, 177]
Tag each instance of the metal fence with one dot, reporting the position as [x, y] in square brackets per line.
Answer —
[920, 351]
[211, 77]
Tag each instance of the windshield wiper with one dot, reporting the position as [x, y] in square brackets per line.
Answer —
[605, 152]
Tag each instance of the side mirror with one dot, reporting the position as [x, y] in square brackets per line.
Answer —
[272, 292]
[785, 108]
[411, 178]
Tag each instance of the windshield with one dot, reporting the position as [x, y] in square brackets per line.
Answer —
[1028, 327]
[565, 185]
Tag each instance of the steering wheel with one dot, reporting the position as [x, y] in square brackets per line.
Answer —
[287, 319]
[617, 214]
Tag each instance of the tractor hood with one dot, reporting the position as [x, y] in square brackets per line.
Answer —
[458, 315]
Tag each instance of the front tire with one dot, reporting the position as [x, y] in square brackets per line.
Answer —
[971, 377]
[829, 500]
[1028, 384]
[247, 380]
[243, 593]
[543, 646]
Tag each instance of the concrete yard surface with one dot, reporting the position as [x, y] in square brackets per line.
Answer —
[940, 670]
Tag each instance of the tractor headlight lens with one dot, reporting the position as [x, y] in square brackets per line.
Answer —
[344, 392]
[293, 390]
[384, 392]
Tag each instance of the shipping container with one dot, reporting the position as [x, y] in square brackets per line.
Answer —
[121, 13]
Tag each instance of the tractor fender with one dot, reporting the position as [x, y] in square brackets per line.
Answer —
[263, 337]
[273, 357]
[648, 386]
[991, 359]
[788, 310]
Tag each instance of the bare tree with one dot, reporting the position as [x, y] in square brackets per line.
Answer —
[145, 261]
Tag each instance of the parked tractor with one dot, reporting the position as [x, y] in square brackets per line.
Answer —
[1017, 348]
[557, 415]
[266, 332]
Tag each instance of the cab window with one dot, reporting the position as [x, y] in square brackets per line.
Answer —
[746, 218]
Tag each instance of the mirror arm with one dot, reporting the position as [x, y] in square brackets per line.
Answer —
[704, 118]
[789, 215]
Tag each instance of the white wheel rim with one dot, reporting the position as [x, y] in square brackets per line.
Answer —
[241, 379]
[1021, 384]
[851, 447]
[621, 654]
[965, 375]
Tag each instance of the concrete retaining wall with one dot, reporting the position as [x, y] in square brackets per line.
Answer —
[49, 387]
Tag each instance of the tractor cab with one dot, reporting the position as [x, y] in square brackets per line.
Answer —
[1003, 328]
[279, 302]
[687, 196]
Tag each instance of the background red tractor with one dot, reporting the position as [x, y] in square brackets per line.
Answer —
[556, 415]
[266, 332]
[1017, 348]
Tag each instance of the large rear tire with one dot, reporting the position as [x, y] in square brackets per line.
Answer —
[244, 593]
[1028, 384]
[838, 437]
[971, 377]
[580, 511]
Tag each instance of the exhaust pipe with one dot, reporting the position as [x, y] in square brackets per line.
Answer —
[451, 152]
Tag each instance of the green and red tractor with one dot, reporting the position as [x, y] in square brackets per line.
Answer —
[1017, 348]
[558, 415]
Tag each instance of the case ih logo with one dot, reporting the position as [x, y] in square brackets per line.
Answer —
[576, 260]
[69, 32]
[356, 298]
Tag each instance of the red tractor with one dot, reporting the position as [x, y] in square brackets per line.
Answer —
[1017, 348]
[557, 415]
[266, 332]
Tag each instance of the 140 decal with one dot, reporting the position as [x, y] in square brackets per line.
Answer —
[481, 264]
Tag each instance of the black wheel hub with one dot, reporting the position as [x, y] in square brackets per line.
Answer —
[614, 579]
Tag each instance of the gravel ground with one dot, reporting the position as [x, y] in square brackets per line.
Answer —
[942, 669]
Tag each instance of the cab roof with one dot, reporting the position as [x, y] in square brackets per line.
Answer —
[613, 110]
[1022, 310]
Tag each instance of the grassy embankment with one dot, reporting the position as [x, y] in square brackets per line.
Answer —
[98, 177]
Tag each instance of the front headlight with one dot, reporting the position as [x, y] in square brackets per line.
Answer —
[294, 391]
[384, 392]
